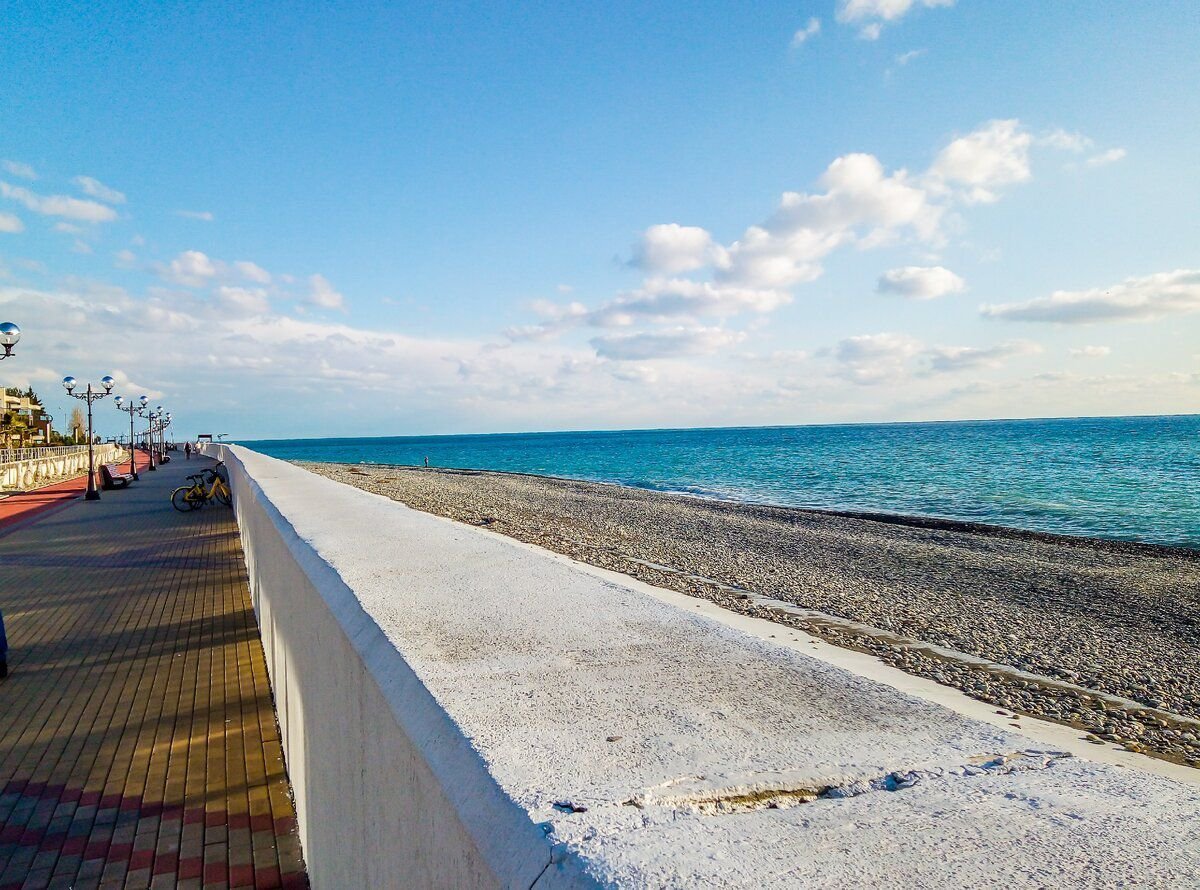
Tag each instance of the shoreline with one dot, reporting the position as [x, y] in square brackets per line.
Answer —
[909, 520]
[1090, 633]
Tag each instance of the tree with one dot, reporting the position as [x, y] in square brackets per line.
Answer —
[78, 425]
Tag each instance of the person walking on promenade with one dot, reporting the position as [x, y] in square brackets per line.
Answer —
[187, 450]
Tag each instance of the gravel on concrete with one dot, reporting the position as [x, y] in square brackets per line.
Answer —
[1092, 616]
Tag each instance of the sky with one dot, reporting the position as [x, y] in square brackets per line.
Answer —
[351, 219]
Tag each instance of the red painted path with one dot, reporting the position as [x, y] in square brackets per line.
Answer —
[16, 508]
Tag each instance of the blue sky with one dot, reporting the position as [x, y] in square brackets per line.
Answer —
[367, 219]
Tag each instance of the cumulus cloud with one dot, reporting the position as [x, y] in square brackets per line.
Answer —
[202, 215]
[982, 162]
[811, 29]
[874, 358]
[321, 293]
[862, 204]
[59, 205]
[667, 343]
[192, 268]
[870, 15]
[1106, 157]
[96, 189]
[1089, 351]
[967, 358]
[1065, 141]
[920, 282]
[241, 299]
[661, 299]
[871, 359]
[11, 223]
[16, 168]
[1134, 299]
[252, 272]
[671, 248]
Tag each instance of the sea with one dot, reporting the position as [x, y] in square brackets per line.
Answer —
[1124, 478]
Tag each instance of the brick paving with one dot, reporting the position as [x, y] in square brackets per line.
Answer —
[138, 742]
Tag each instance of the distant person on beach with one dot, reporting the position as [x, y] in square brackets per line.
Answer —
[427, 462]
[187, 450]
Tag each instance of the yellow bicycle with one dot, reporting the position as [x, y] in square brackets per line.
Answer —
[196, 495]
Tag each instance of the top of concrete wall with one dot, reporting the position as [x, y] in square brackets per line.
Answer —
[660, 747]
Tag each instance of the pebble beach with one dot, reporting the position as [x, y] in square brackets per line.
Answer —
[1100, 635]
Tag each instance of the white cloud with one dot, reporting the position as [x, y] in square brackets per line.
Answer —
[16, 168]
[203, 215]
[870, 15]
[905, 58]
[874, 358]
[661, 299]
[59, 205]
[252, 272]
[667, 343]
[1106, 157]
[190, 269]
[981, 162]
[670, 248]
[125, 259]
[11, 223]
[811, 29]
[861, 204]
[68, 228]
[245, 300]
[96, 189]
[1065, 141]
[1134, 299]
[921, 282]
[1089, 351]
[322, 294]
[967, 358]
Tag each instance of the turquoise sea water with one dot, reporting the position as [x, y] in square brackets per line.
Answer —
[1130, 478]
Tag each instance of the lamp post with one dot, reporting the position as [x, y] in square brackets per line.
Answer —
[151, 417]
[134, 407]
[9, 335]
[93, 494]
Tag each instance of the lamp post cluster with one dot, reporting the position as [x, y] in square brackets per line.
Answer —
[69, 384]
[157, 419]
[138, 407]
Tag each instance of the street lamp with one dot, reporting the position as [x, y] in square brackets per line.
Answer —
[93, 494]
[134, 407]
[9, 335]
[151, 417]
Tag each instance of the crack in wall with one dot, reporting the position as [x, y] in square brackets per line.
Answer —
[748, 798]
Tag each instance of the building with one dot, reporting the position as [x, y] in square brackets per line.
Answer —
[23, 420]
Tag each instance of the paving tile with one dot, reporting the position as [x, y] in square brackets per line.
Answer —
[139, 746]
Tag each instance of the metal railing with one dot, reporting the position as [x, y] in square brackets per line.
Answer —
[10, 455]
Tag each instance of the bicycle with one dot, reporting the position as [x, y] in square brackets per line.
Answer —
[195, 496]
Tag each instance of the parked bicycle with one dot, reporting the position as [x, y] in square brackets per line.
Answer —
[206, 486]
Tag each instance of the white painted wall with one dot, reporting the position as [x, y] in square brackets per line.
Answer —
[442, 690]
[388, 791]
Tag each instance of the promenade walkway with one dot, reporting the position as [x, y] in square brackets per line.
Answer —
[138, 741]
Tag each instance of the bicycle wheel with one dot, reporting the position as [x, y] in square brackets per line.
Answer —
[180, 500]
[222, 495]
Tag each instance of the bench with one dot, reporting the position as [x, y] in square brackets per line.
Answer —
[113, 477]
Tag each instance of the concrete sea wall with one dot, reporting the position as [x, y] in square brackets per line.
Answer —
[389, 792]
[462, 710]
